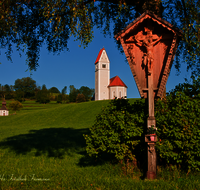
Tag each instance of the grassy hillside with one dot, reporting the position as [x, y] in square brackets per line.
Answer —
[42, 147]
[38, 116]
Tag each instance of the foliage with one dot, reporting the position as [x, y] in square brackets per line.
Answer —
[19, 96]
[64, 90]
[73, 93]
[178, 125]
[151, 130]
[29, 24]
[15, 106]
[54, 90]
[25, 85]
[80, 98]
[43, 95]
[65, 97]
[59, 98]
[189, 89]
[87, 92]
[6, 91]
[117, 131]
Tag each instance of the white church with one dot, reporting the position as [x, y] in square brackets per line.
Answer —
[106, 88]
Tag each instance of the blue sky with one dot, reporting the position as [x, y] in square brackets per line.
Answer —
[76, 67]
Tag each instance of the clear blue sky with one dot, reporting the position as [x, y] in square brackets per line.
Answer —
[76, 67]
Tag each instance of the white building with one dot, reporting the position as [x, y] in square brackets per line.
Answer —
[4, 111]
[106, 88]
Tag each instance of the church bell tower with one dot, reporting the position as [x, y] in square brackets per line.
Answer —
[102, 76]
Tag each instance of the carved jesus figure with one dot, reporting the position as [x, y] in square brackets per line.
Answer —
[147, 41]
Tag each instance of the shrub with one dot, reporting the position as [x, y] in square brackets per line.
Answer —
[117, 131]
[15, 106]
[178, 125]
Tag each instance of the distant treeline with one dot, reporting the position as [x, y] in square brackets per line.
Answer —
[26, 88]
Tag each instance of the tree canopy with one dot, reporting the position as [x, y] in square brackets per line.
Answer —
[87, 92]
[54, 90]
[15, 106]
[25, 86]
[28, 24]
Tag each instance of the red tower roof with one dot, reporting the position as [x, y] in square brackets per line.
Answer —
[99, 55]
[116, 81]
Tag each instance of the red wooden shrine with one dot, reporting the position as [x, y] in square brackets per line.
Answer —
[150, 43]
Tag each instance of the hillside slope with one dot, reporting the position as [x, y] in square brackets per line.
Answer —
[77, 116]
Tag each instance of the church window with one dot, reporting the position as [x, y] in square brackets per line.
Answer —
[104, 66]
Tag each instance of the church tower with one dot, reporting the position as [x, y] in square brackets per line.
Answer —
[102, 76]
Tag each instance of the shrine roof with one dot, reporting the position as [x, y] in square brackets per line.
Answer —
[116, 81]
[99, 55]
[3, 108]
[144, 16]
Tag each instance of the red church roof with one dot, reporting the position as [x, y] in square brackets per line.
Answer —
[116, 81]
[99, 55]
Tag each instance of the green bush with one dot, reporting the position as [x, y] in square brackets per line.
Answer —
[178, 124]
[15, 106]
[117, 131]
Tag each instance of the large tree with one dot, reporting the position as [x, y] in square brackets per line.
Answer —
[87, 92]
[6, 91]
[31, 23]
[43, 95]
[54, 90]
[73, 92]
[25, 85]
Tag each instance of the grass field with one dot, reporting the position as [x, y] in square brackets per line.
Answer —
[42, 147]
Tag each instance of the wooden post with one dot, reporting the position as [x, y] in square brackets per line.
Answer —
[151, 152]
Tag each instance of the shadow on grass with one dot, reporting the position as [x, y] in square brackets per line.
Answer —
[53, 142]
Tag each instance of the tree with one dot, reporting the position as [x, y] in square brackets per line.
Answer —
[25, 85]
[15, 106]
[59, 98]
[80, 98]
[73, 93]
[64, 96]
[87, 92]
[64, 90]
[189, 89]
[19, 96]
[54, 90]
[30, 24]
[43, 95]
[6, 91]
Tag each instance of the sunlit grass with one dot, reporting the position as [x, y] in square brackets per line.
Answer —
[42, 147]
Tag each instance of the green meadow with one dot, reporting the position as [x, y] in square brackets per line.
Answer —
[42, 147]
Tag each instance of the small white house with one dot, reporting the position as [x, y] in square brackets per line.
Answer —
[4, 111]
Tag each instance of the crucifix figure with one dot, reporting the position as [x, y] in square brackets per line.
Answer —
[148, 41]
